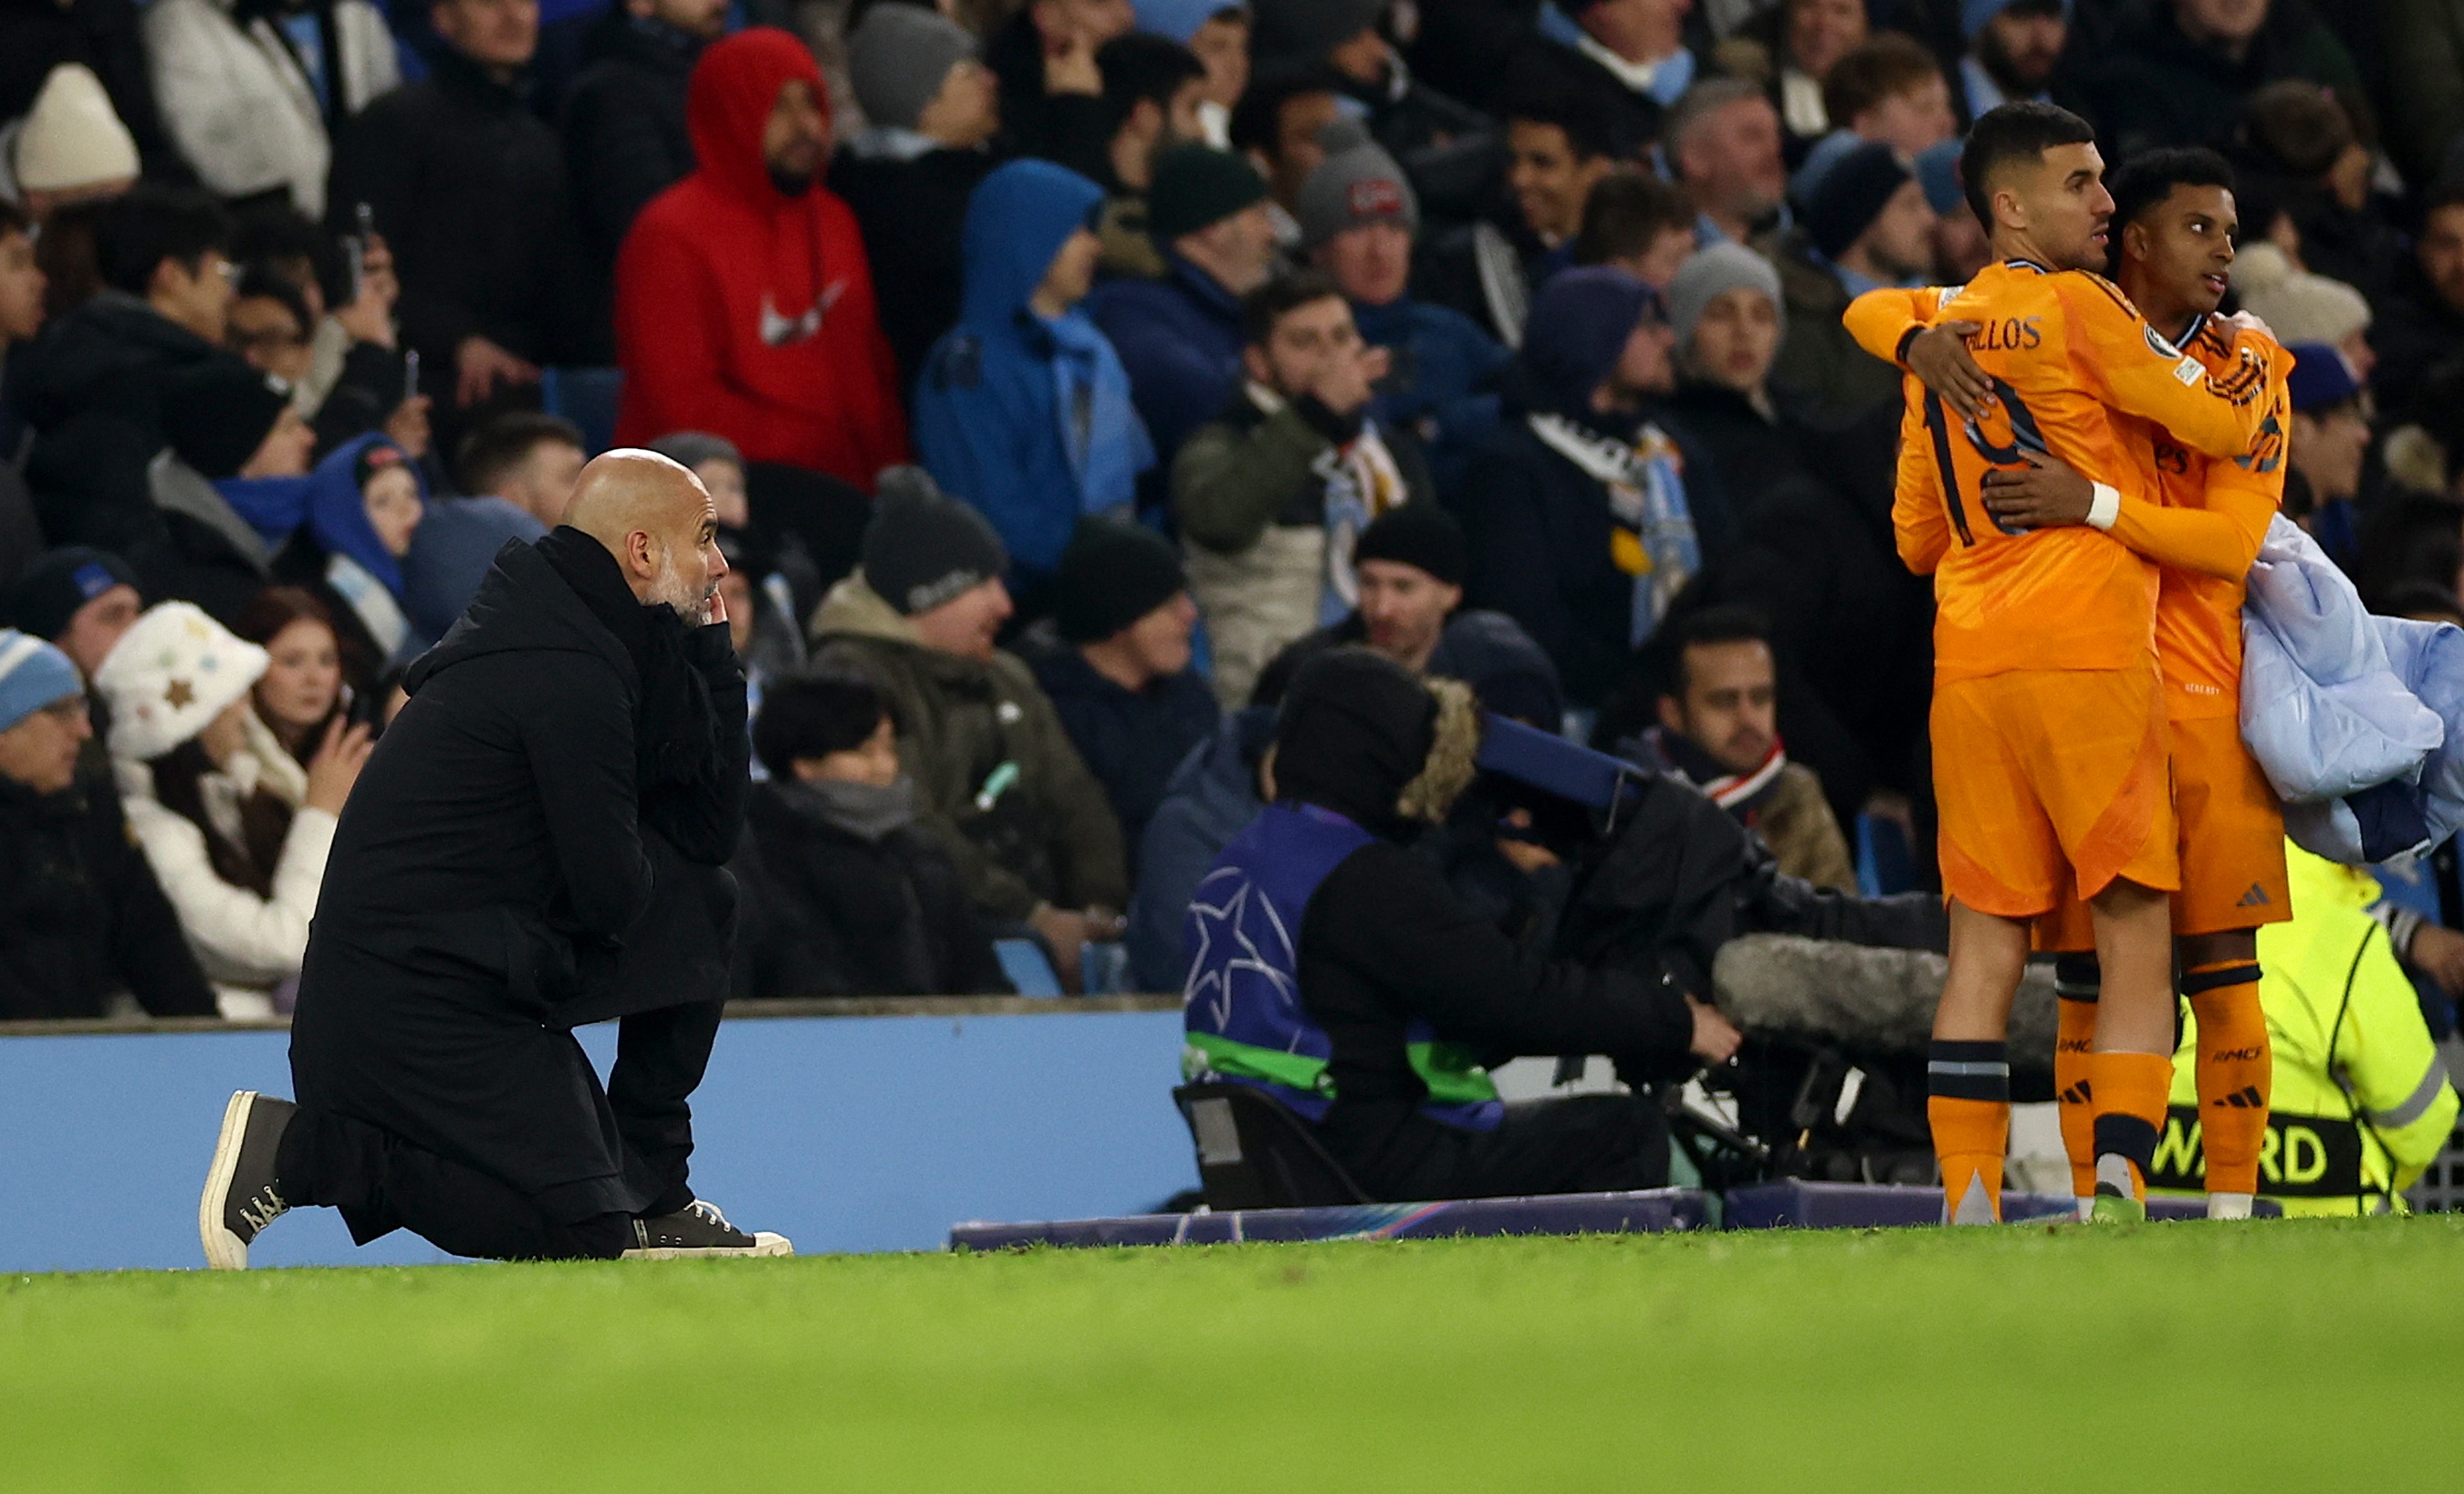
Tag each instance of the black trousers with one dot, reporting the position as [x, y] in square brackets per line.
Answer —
[1586, 1143]
[381, 1182]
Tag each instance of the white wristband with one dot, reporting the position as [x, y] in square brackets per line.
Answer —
[2104, 508]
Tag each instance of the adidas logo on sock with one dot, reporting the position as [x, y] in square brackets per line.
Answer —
[2255, 897]
[2077, 1094]
[2247, 1098]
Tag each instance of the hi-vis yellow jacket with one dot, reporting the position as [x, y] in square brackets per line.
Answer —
[2361, 1099]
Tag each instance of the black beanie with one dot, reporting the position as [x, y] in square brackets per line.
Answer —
[217, 414]
[1422, 534]
[1852, 194]
[1197, 186]
[923, 548]
[1355, 728]
[60, 582]
[1114, 573]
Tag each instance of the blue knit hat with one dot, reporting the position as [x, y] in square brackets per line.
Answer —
[2319, 378]
[1579, 328]
[32, 674]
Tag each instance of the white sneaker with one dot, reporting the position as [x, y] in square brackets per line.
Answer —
[699, 1229]
[240, 1199]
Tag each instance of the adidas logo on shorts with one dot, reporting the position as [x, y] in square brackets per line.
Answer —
[2255, 897]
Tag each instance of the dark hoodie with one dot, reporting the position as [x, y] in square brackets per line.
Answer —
[1542, 526]
[92, 391]
[1028, 418]
[1385, 946]
[748, 313]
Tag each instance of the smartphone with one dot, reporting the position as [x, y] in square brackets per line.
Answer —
[410, 374]
[355, 248]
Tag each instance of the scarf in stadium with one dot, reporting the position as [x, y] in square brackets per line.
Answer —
[1651, 535]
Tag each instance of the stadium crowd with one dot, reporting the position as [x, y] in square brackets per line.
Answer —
[1067, 375]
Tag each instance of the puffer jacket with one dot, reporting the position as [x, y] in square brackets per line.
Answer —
[247, 945]
[1047, 834]
[240, 106]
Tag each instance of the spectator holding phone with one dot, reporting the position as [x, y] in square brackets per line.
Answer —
[233, 824]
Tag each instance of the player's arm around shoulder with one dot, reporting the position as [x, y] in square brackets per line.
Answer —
[2117, 355]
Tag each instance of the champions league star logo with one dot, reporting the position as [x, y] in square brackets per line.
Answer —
[1227, 909]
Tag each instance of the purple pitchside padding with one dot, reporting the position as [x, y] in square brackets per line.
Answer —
[1809, 1205]
[1655, 1211]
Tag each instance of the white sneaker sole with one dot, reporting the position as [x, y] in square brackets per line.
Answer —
[764, 1243]
[225, 1251]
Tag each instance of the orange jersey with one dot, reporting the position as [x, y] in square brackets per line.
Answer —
[2198, 610]
[2070, 358]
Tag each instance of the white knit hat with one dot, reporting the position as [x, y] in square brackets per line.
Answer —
[72, 137]
[169, 676]
[2296, 305]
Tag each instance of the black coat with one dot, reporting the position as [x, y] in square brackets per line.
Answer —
[1073, 129]
[1539, 529]
[500, 874]
[1131, 742]
[91, 387]
[623, 122]
[911, 213]
[80, 913]
[467, 186]
[828, 912]
[2416, 335]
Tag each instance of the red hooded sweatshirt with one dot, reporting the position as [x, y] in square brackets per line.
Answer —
[747, 313]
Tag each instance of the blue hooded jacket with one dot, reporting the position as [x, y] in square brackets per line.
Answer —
[338, 516]
[1028, 418]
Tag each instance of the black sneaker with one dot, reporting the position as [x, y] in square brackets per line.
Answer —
[699, 1229]
[240, 1199]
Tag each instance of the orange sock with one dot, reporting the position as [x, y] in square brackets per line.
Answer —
[1969, 1110]
[2237, 1077]
[2076, 983]
[2131, 1097]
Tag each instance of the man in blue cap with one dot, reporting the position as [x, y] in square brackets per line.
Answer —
[83, 924]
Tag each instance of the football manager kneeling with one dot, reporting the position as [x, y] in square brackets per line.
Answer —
[539, 841]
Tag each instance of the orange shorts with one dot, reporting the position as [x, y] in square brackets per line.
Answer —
[2232, 842]
[2052, 783]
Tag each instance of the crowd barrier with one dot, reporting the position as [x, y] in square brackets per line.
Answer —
[848, 1125]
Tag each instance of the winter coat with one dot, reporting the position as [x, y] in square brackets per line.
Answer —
[748, 314]
[1487, 270]
[91, 388]
[2158, 87]
[1210, 796]
[1780, 801]
[1180, 339]
[468, 188]
[537, 840]
[910, 198]
[239, 104]
[81, 916]
[1050, 837]
[831, 913]
[623, 124]
[1271, 511]
[1819, 365]
[1540, 526]
[2417, 335]
[39, 36]
[2425, 64]
[1074, 130]
[456, 542]
[1028, 418]
[245, 944]
[1131, 742]
[1440, 387]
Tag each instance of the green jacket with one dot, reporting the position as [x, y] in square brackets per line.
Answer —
[1819, 362]
[2362, 1101]
[1050, 837]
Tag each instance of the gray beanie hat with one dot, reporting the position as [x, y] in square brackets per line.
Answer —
[899, 57]
[924, 548]
[1357, 183]
[1722, 267]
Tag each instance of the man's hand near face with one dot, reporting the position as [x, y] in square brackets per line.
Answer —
[1347, 381]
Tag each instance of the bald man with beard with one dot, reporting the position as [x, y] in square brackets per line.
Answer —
[538, 842]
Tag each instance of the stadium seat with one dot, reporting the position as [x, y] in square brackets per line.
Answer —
[1253, 1153]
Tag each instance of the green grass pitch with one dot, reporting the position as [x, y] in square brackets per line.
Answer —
[2298, 1356]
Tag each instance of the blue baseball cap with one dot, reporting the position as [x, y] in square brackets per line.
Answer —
[2319, 378]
